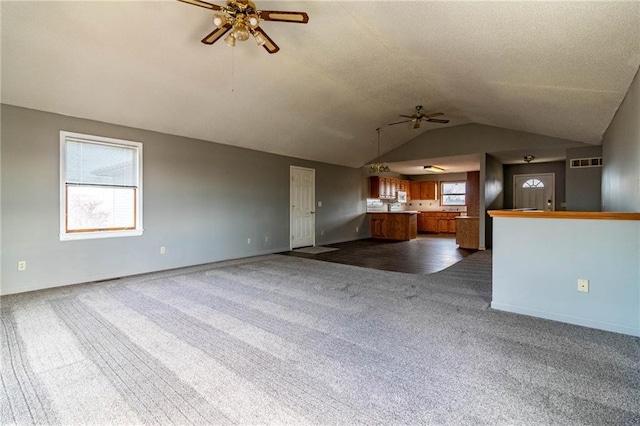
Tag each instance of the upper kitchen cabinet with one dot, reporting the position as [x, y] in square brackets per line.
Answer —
[428, 190]
[414, 190]
[385, 188]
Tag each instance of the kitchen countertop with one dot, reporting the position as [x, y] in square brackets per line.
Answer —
[399, 212]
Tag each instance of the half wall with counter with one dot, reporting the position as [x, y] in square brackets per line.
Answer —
[539, 258]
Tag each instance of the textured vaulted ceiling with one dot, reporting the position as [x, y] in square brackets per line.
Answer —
[555, 68]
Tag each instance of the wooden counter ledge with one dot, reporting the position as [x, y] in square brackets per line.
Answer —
[538, 214]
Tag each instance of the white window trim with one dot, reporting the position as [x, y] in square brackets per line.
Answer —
[443, 194]
[64, 236]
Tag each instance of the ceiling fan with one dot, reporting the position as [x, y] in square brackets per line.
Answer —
[242, 18]
[418, 117]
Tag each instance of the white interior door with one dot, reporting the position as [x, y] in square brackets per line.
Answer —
[303, 200]
[535, 191]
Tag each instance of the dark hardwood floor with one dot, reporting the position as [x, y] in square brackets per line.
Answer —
[426, 254]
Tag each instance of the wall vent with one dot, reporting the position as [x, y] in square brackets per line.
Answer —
[577, 163]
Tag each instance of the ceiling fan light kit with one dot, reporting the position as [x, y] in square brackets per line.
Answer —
[242, 18]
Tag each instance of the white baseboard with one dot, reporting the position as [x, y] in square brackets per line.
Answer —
[569, 319]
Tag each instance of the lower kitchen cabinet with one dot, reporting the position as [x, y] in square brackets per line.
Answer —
[431, 224]
[437, 222]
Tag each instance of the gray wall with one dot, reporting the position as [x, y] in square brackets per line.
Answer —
[557, 167]
[537, 262]
[201, 201]
[439, 177]
[493, 195]
[584, 184]
[621, 156]
[472, 139]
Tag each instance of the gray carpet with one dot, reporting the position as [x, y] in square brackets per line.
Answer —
[286, 340]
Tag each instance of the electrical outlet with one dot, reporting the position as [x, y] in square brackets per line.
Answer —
[357, 229]
[319, 203]
[583, 285]
[163, 250]
[22, 265]
[248, 241]
[322, 232]
[266, 239]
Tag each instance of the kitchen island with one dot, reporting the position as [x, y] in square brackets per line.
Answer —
[399, 226]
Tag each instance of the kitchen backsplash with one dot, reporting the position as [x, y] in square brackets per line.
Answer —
[432, 205]
[375, 205]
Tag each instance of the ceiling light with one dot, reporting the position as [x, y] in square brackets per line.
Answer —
[240, 32]
[260, 39]
[253, 20]
[528, 158]
[433, 169]
[377, 166]
[230, 40]
[219, 20]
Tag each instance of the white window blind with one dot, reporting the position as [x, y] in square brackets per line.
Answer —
[90, 163]
[101, 187]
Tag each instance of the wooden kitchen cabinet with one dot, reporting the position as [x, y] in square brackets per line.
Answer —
[428, 222]
[432, 224]
[414, 189]
[394, 226]
[385, 188]
[422, 222]
[393, 188]
[374, 187]
[379, 187]
[443, 226]
[437, 222]
[428, 190]
[468, 230]
[378, 226]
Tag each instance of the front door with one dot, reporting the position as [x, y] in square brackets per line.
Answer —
[303, 200]
[535, 191]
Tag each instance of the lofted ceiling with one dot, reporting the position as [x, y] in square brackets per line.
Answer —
[559, 69]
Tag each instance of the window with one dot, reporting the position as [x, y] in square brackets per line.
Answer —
[100, 187]
[453, 193]
[532, 183]
[586, 162]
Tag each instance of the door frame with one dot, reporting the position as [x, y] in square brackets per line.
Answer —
[291, 236]
[537, 175]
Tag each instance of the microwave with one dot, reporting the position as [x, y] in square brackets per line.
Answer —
[402, 196]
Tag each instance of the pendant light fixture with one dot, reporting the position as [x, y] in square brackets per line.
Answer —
[377, 166]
